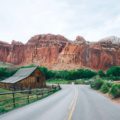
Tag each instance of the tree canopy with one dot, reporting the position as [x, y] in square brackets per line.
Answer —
[113, 71]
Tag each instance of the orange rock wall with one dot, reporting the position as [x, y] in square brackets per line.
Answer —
[56, 52]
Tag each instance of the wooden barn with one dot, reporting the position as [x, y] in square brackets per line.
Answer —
[25, 78]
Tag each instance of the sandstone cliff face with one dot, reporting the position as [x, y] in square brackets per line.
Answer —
[4, 51]
[56, 52]
[46, 48]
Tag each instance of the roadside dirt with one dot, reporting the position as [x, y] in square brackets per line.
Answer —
[115, 100]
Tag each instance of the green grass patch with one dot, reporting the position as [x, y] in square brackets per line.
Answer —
[58, 81]
[63, 81]
[21, 99]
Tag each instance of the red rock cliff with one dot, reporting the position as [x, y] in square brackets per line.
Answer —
[56, 52]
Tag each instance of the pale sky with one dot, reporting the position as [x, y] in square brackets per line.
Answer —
[92, 19]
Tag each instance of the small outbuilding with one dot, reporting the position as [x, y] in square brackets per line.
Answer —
[25, 78]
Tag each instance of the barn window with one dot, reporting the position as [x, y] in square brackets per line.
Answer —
[38, 79]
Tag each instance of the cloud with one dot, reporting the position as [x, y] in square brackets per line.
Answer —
[21, 19]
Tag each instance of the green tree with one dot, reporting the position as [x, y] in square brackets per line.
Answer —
[6, 72]
[113, 71]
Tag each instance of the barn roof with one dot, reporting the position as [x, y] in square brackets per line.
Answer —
[22, 73]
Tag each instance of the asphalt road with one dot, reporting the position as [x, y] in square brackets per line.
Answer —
[73, 102]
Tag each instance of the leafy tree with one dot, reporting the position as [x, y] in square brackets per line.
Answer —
[44, 70]
[28, 66]
[113, 71]
[50, 74]
[6, 72]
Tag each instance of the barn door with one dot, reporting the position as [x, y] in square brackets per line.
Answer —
[38, 82]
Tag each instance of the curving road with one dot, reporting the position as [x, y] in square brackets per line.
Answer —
[73, 102]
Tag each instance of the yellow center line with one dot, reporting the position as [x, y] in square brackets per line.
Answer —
[73, 105]
[73, 100]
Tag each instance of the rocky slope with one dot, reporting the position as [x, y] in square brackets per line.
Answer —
[57, 52]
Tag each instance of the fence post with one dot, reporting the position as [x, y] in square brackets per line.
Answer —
[28, 98]
[52, 85]
[49, 90]
[13, 99]
[42, 93]
[59, 86]
[37, 94]
[21, 88]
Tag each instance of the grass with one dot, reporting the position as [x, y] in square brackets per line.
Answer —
[4, 90]
[58, 81]
[21, 99]
[63, 81]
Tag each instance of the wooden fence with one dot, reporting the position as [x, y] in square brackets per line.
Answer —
[14, 99]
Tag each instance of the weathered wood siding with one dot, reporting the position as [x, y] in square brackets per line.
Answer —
[5, 85]
[35, 80]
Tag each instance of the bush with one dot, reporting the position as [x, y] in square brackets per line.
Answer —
[96, 84]
[115, 90]
[105, 87]
[101, 73]
[114, 78]
[2, 110]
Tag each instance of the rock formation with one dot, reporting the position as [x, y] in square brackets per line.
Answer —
[57, 52]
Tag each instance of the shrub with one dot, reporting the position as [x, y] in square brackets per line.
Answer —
[105, 87]
[114, 78]
[101, 73]
[115, 90]
[96, 84]
[2, 110]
